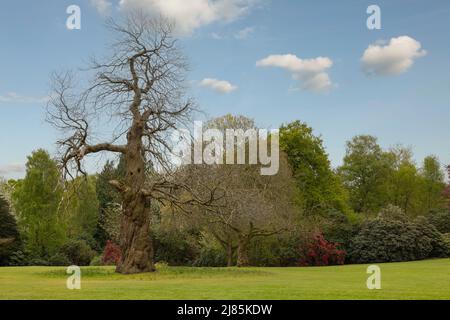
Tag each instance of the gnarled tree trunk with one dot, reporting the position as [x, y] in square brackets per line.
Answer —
[136, 242]
[135, 238]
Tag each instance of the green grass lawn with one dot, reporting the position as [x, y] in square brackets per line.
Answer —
[412, 280]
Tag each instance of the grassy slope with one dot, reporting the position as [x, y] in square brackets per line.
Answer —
[412, 280]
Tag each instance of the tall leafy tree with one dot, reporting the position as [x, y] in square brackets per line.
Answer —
[433, 184]
[415, 190]
[319, 186]
[365, 173]
[405, 188]
[36, 200]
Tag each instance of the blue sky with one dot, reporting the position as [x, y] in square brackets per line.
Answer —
[405, 99]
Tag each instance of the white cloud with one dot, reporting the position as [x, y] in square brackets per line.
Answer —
[192, 14]
[310, 72]
[392, 58]
[220, 86]
[216, 36]
[244, 33]
[103, 6]
[12, 168]
[13, 97]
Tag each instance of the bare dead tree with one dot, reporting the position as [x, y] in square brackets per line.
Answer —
[138, 88]
[251, 205]
[254, 206]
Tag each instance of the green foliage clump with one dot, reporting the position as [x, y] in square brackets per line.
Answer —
[440, 219]
[374, 177]
[320, 188]
[437, 241]
[9, 234]
[339, 227]
[392, 238]
[211, 253]
[264, 252]
[277, 250]
[18, 258]
[59, 259]
[77, 252]
[175, 247]
[446, 240]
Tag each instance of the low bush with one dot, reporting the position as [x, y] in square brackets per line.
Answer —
[436, 239]
[60, 260]
[275, 251]
[178, 248]
[392, 237]
[40, 262]
[288, 251]
[440, 220]
[264, 252]
[211, 256]
[18, 258]
[78, 252]
[340, 227]
[446, 240]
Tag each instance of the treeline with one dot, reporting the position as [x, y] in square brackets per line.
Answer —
[378, 206]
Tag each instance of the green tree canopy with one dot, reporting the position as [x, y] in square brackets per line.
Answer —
[319, 186]
[433, 184]
[36, 200]
[365, 173]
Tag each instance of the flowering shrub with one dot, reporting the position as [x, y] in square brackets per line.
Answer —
[112, 254]
[320, 252]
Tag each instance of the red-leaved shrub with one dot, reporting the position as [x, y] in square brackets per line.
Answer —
[111, 254]
[317, 251]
